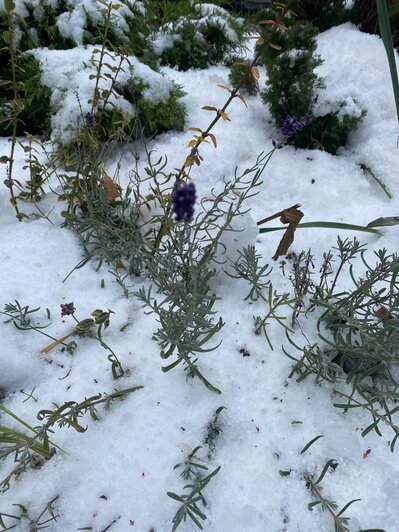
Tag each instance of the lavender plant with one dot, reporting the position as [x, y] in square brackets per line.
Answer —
[34, 523]
[181, 268]
[247, 267]
[358, 335]
[31, 449]
[194, 468]
[92, 327]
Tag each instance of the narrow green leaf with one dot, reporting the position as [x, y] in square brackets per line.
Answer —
[385, 30]
[347, 506]
[311, 443]
[325, 469]
[174, 496]
[389, 220]
[324, 225]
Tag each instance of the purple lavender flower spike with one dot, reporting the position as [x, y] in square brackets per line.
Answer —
[183, 201]
[89, 119]
[291, 124]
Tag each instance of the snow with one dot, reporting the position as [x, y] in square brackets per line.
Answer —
[129, 455]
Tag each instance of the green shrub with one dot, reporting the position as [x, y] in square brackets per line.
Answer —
[292, 82]
[35, 118]
[53, 24]
[241, 75]
[328, 132]
[292, 86]
[206, 37]
[156, 116]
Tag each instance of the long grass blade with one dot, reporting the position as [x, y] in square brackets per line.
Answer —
[385, 30]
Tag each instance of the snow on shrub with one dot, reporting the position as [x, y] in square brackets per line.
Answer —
[67, 23]
[71, 77]
[205, 37]
[294, 87]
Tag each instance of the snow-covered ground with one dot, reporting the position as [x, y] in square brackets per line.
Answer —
[122, 467]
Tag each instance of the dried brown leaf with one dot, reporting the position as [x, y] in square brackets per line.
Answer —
[292, 217]
[111, 189]
[213, 139]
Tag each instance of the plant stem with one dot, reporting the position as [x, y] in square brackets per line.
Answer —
[16, 111]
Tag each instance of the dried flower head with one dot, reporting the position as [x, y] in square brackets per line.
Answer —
[291, 124]
[67, 309]
[183, 201]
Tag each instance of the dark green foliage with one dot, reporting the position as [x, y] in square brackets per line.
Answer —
[35, 118]
[241, 75]
[292, 86]
[322, 14]
[156, 117]
[199, 43]
[327, 132]
[291, 82]
[191, 52]
[42, 30]
[358, 334]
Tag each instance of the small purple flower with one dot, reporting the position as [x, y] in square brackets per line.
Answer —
[183, 201]
[291, 124]
[67, 309]
[89, 119]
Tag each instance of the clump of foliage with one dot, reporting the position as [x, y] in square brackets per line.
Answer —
[155, 116]
[194, 469]
[31, 446]
[52, 24]
[242, 75]
[293, 86]
[358, 333]
[121, 97]
[206, 37]
[35, 109]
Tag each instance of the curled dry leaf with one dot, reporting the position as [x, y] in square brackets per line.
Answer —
[213, 139]
[292, 217]
[112, 190]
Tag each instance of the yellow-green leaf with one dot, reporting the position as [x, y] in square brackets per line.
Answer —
[7, 36]
[268, 21]
[9, 5]
[224, 115]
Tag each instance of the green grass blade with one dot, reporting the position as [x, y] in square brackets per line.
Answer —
[325, 225]
[385, 30]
